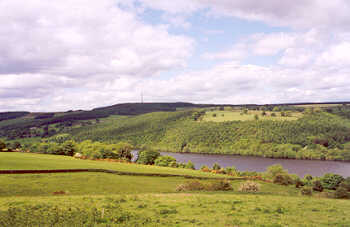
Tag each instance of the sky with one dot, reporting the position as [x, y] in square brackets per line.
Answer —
[81, 54]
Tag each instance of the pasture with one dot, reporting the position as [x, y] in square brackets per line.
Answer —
[173, 209]
[101, 199]
[237, 115]
[32, 161]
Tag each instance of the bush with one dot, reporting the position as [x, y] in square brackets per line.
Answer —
[147, 157]
[165, 161]
[331, 181]
[249, 186]
[2, 145]
[190, 165]
[205, 168]
[221, 185]
[306, 191]
[299, 183]
[216, 166]
[308, 177]
[341, 193]
[274, 170]
[231, 170]
[346, 184]
[317, 186]
[283, 179]
[193, 185]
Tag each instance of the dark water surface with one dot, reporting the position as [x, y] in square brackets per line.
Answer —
[259, 164]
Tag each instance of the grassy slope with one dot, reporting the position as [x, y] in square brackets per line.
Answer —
[219, 209]
[149, 201]
[236, 116]
[14, 160]
[105, 184]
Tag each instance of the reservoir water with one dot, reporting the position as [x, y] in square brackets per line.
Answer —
[259, 164]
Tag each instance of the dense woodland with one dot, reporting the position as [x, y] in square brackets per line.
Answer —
[321, 133]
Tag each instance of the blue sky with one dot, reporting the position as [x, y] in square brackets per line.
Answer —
[80, 54]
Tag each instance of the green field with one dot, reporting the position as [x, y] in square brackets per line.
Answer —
[30, 161]
[101, 199]
[105, 184]
[179, 209]
[236, 115]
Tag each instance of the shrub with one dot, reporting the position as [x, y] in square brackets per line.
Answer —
[308, 177]
[165, 161]
[216, 166]
[190, 165]
[205, 168]
[193, 185]
[147, 157]
[331, 181]
[341, 193]
[274, 170]
[283, 179]
[346, 184]
[2, 145]
[317, 186]
[231, 170]
[299, 183]
[221, 185]
[306, 191]
[249, 186]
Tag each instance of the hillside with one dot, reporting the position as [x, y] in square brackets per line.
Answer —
[25, 124]
[319, 135]
[101, 199]
[279, 131]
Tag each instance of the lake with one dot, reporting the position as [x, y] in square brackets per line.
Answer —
[259, 164]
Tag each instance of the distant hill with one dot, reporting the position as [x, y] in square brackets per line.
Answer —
[29, 124]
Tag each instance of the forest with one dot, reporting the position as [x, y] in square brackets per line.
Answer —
[321, 133]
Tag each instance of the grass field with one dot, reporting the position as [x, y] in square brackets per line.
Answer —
[31, 161]
[237, 116]
[105, 184]
[101, 199]
[209, 209]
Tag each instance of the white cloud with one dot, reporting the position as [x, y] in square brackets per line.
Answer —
[237, 52]
[271, 44]
[337, 55]
[81, 37]
[298, 14]
[83, 54]
[53, 46]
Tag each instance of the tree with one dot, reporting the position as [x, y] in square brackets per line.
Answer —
[68, 148]
[216, 166]
[275, 170]
[331, 181]
[165, 161]
[190, 165]
[2, 145]
[147, 157]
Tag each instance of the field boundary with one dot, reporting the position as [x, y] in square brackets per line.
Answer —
[115, 172]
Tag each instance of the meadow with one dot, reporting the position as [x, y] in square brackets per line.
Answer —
[32, 161]
[102, 199]
[237, 115]
[177, 209]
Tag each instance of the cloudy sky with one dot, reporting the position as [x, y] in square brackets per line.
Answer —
[80, 54]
